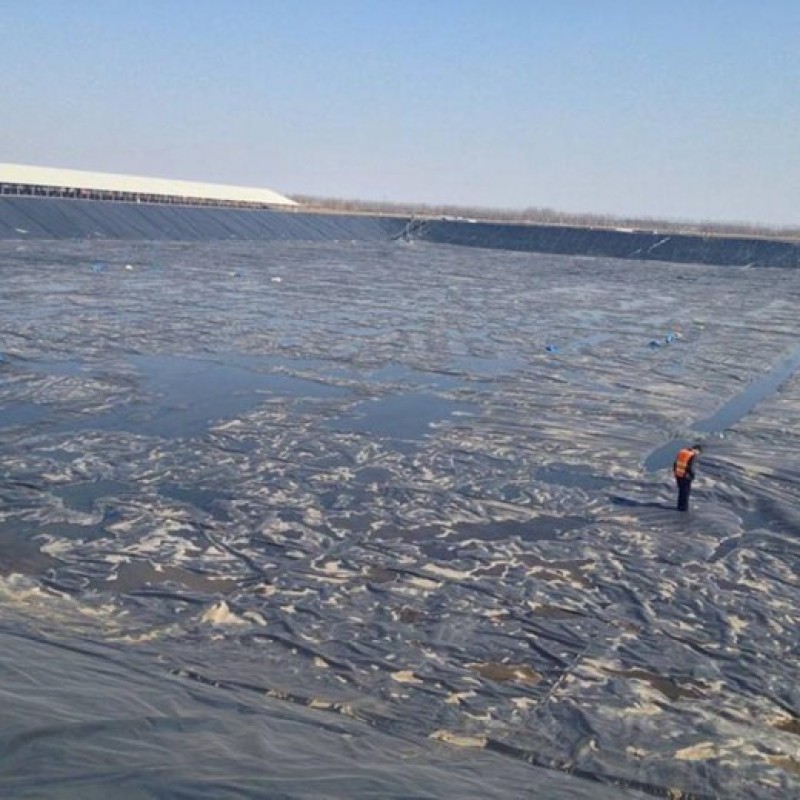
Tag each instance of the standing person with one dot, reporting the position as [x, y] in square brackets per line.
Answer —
[683, 469]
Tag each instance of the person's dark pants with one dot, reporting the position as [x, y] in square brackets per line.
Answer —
[684, 490]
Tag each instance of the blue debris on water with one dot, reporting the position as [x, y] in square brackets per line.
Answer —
[669, 338]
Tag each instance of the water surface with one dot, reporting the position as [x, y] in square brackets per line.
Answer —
[356, 533]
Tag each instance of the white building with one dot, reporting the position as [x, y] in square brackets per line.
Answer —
[29, 181]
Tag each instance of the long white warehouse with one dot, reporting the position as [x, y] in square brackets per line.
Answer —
[20, 179]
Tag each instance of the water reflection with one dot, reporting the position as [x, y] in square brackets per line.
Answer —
[404, 416]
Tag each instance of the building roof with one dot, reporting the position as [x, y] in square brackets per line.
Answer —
[108, 182]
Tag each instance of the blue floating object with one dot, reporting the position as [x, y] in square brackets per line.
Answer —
[551, 348]
[98, 266]
[669, 338]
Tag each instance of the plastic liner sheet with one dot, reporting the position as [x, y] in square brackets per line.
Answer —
[373, 520]
[30, 218]
[599, 242]
[55, 218]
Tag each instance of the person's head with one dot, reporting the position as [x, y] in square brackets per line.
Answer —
[698, 448]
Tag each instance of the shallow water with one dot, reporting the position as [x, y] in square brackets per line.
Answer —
[304, 520]
[729, 414]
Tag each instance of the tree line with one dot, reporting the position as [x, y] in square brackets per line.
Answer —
[547, 216]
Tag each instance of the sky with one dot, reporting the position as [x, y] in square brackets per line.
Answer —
[671, 109]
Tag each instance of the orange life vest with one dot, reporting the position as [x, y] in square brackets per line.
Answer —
[681, 467]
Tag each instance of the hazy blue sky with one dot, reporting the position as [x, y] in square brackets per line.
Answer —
[685, 109]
